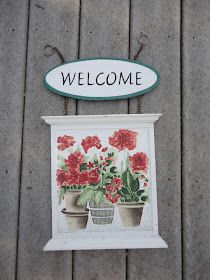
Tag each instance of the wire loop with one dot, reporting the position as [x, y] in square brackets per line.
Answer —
[49, 51]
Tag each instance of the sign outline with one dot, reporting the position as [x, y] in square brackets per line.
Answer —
[125, 96]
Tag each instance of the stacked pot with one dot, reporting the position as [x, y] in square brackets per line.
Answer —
[76, 216]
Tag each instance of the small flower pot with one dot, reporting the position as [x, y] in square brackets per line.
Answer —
[130, 213]
[70, 198]
[102, 214]
[75, 221]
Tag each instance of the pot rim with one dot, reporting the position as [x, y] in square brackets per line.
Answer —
[130, 205]
[75, 214]
[73, 191]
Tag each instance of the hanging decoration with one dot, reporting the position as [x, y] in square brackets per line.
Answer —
[103, 182]
[103, 175]
[101, 79]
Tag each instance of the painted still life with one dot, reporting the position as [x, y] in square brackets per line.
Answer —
[103, 181]
[91, 177]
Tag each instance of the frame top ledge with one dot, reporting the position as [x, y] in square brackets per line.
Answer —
[59, 120]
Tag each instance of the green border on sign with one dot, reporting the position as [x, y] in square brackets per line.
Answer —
[134, 94]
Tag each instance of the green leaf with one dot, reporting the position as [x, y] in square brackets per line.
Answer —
[144, 198]
[140, 192]
[85, 197]
[113, 169]
[62, 165]
[127, 178]
[135, 185]
[128, 196]
[108, 177]
[125, 191]
[78, 149]
[128, 199]
[108, 162]
[99, 195]
[83, 167]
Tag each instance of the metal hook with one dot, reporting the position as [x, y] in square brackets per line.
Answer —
[48, 50]
[143, 39]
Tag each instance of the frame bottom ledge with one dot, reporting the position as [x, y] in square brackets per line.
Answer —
[105, 243]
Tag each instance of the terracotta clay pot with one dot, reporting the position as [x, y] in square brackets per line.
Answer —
[76, 221]
[130, 213]
[70, 199]
[102, 214]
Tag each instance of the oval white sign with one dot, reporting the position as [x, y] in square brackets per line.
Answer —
[101, 79]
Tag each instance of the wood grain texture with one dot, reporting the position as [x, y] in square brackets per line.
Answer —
[55, 23]
[104, 32]
[196, 139]
[160, 20]
[13, 29]
[106, 27]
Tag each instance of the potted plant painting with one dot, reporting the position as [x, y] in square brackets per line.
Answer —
[102, 174]
[134, 192]
[90, 174]
[71, 180]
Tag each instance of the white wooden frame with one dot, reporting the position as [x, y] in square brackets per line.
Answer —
[104, 240]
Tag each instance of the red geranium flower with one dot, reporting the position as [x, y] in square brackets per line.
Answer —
[111, 194]
[90, 164]
[139, 162]
[116, 183]
[93, 176]
[65, 142]
[123, 139]
[104, 149]
[61, 178]
[83, 178]
[107, 158]
[73, 178]
[145, 185]
[74, 160]
[91, 141]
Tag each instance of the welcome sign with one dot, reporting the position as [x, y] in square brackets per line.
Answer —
[101, 79]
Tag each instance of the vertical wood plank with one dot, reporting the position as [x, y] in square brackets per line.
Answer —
[13, 29]
[160, 20]
[56, 23]
[104, 32]
[196, 139]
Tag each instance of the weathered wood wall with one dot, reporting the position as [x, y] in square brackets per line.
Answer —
[178, 47]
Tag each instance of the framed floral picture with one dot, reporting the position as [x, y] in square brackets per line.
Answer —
[103, 183]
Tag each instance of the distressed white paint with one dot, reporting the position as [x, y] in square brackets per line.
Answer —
[109, 238]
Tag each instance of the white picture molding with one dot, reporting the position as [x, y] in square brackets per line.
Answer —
[112, 236]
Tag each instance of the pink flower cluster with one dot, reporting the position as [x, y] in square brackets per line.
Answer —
[65, 142]
[74, 177]
[139, 162]
[123, 139]
[111, 190]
